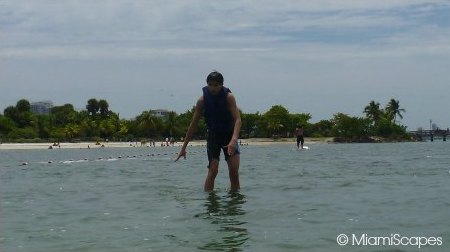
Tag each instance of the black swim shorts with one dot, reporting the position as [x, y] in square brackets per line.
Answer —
[217, 142]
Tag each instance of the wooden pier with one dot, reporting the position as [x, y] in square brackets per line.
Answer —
[431, 135]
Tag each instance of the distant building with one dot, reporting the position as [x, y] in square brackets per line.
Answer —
[42, 107]
[434, 126]
[160, 112]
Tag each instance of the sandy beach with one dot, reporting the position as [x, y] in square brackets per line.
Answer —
[86, 145]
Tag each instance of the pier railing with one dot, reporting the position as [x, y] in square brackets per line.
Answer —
[423, 135]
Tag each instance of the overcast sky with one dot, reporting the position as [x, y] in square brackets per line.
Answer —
[319, 57]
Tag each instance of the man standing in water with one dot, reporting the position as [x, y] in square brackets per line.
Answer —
[299, 135]
[223, 119]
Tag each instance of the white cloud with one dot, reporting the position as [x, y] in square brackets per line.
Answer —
[258, 42]
[152, 29]
[189, 21]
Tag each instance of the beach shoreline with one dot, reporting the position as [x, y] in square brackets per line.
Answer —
[93, 145]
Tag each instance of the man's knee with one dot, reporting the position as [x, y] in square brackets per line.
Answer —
[213, 163]
[213, 166]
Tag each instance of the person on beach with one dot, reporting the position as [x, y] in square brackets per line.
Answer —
[299, 134]
[218, 105]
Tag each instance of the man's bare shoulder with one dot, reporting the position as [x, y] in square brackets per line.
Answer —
[231, 98]
[200, 102]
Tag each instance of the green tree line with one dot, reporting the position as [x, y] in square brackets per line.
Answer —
[97, 122]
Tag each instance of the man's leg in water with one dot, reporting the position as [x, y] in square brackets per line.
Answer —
[233, 171]
[212, 173]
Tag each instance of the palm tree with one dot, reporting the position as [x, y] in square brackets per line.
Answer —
[92, 106]
[107, 128]
[278, 119]
[171, 123]
[12, 113]
[71, 131]
[373, 111]
[148, 123]
[103, 107]
[23, 106]
[123, 128]
[393, 110]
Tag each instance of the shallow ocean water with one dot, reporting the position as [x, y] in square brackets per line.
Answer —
[138, 199]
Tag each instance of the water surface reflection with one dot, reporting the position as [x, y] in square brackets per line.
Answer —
[227, 213]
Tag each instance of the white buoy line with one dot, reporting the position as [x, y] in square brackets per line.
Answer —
[111, 158]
